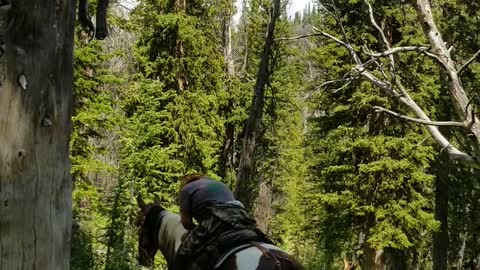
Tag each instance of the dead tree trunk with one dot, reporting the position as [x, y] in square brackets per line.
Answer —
[245, 186]
[36, 80]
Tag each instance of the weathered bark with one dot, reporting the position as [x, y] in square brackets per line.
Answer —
[395, 88]
[441, 238]
[246, 186]
[458, 95]
[36, 80]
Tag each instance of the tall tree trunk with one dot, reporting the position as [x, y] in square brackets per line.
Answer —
[373, 259]
[180, 8]
[245, 186]
[36, 80]
[243, 23]
[226, 162]
[395, 259]
[441, 238]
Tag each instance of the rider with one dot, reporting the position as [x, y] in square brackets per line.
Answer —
[223, 223]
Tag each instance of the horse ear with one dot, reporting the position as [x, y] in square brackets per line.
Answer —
[141, 202]
[156, 199]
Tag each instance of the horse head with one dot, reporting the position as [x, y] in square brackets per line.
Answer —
[148, 222]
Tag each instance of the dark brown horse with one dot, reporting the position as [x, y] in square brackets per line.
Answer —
[162, 230]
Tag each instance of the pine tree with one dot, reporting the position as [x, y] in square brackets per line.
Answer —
[174, 126]
[93, 119]
[371, 169]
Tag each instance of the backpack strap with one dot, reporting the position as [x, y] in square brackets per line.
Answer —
[229, 253]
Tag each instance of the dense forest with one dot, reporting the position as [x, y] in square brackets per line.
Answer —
[365, 141]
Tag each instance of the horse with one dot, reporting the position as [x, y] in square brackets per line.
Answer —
[159, 229]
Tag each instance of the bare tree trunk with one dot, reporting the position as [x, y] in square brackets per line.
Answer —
[180, 7]
[227, 40]
[245, 186]
[229, 141]
[395, 259]
[441, 238]
[373, 259]
[36, 80]
[243, 69]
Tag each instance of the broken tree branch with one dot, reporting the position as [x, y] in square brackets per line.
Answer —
[297, 37]
[457, 93]
[462, 68]
[396, 50]
[420, 121]
[443, 142]
[384, 38]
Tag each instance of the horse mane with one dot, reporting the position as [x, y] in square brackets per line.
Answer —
[170, 235]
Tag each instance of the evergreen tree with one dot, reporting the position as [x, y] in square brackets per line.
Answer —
[174, 125]
[371, 169]
[93, 119]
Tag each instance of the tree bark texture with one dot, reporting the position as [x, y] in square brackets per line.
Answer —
[246, 185]
[36, 81]
[457, 93]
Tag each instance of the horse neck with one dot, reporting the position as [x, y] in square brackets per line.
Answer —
[170, 235]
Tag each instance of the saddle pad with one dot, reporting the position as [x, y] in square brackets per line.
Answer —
[229, 253]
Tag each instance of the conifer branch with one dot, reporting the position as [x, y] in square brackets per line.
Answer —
[420, 121]
[468, 62]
